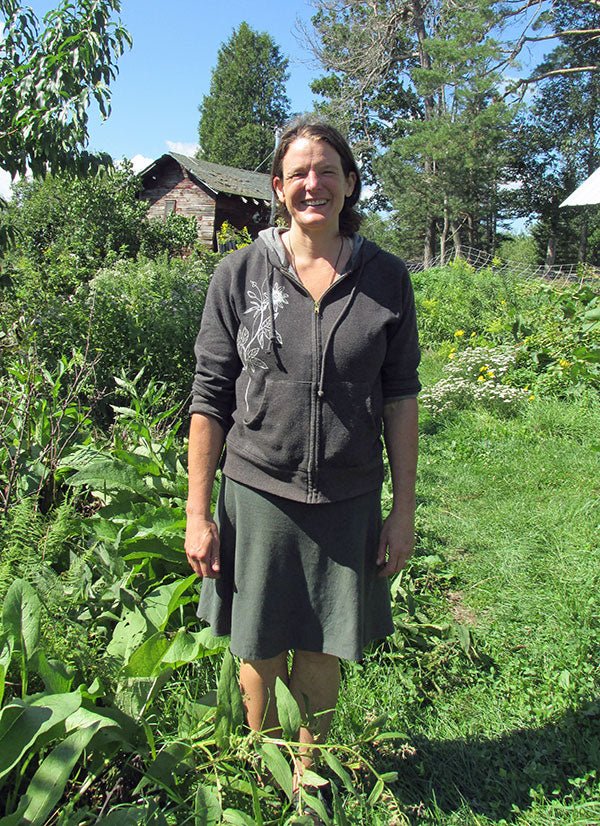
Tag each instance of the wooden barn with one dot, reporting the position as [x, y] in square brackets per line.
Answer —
[212, 193]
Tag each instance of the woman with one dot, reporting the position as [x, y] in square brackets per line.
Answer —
[307, 348]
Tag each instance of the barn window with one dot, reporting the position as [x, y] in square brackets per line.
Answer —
[170, 208]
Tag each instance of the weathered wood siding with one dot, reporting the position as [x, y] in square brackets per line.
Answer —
[172, 183]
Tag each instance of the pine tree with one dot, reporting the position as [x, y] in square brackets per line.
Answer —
[247, 101]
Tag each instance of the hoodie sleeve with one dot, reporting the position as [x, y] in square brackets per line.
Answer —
[217, 362]
[399, 376]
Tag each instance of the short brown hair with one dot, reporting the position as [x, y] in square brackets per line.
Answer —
[308, 126]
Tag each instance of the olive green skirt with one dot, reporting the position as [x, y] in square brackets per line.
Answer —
[297, 576]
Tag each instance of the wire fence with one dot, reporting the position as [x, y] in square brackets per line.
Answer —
[572, 273]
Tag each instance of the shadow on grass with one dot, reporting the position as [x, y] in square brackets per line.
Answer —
[492, 775]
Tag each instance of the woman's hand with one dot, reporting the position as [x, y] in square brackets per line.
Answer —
[396, 543]
[202, 546]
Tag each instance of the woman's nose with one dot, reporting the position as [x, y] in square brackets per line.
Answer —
[312, 179]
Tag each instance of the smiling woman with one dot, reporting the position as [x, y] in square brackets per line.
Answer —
[307, 348]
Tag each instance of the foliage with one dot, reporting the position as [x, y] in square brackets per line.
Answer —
[230, 238]
[246, 102]
[150, 311]
[67, 227]
[518, 249]
[556, 145]
[48, 76]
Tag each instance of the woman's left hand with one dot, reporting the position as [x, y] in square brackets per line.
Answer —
[396, 543]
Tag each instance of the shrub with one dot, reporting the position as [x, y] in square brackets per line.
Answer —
[146, 314]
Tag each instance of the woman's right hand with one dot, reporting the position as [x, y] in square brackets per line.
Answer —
[202, 546]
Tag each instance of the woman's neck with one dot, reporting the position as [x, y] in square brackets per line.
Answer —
[315, 245]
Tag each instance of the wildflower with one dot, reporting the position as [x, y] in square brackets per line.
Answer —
[480, 377]
[531, 398]
[473, 335]
[490, 374]
[451, 354]
[564, 363]
[459, 333]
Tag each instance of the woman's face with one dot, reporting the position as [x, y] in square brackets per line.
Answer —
[313, 185]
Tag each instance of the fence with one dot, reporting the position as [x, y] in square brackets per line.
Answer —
[478, 258]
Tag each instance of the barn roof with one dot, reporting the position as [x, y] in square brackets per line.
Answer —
[221, 178]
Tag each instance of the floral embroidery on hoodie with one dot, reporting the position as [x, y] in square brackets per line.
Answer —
[251, 341]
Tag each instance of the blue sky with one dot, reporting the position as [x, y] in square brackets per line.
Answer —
[163, 78]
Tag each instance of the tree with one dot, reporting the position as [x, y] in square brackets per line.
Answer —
[247, 101]
[443, 167]
[48, 76]
[557, 144]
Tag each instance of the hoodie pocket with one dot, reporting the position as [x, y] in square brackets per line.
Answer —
[351, 425]
[277, 432]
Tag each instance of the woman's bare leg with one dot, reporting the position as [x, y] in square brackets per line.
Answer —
[314, 683]
[257, 681]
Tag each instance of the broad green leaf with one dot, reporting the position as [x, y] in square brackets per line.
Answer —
[145, 661]
[108, 474]
[287, 710]
[174, 760]
[237, 818]
[207, 809]
[311, 778]
[161, 603]
[21, 725]
[389, 777]
[21, 616]
[128, 634]
[230, 709]
[57, 678]
[312, 802]
[376, 792]
[48, 783]
[6, 649]
[336, 766]
[135, 695]
[276, 763]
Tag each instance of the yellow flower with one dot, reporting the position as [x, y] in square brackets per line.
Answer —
[491, 374]
[459, 333]
[480, 378]
[451, 355]
[531, 398]
[564, 363]
[473, 335]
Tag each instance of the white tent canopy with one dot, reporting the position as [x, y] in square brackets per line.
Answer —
[587, 193]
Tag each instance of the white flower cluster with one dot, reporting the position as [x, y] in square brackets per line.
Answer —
[475, 375]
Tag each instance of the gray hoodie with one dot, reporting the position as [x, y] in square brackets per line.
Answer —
[298, 385]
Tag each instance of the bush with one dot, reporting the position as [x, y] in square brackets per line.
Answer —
[146, 314]
[457, 296]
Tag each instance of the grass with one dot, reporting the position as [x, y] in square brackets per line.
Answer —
[511, 734]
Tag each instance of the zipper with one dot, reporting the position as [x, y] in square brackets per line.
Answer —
[316, 402]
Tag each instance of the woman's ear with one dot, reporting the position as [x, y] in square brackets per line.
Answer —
[350, 183]
[278, 187]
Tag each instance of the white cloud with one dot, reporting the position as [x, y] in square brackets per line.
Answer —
[5, 182]
[182, 148]
[140, 162]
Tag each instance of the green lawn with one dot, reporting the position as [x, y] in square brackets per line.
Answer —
[511, 733]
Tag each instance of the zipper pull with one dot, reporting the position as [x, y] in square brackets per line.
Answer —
[317, 307]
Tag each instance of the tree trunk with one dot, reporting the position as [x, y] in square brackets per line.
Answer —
[583, 238]
[429, 246]
[456, 240]
[445, 231]
[551, 250]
